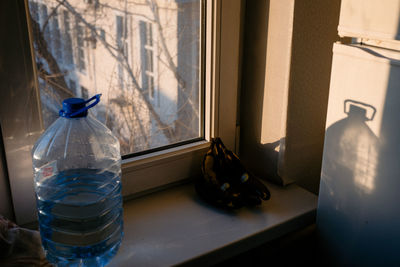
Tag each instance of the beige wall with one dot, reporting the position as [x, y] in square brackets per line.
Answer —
[261, 159]
[314, 32]
[301, 123]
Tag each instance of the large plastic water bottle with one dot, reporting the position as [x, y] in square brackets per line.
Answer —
[77, 168]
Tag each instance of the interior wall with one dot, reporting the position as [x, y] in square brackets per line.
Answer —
[254, 155]
[286, 72]
[314, 32]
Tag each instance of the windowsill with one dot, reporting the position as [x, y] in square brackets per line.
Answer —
[174, 227]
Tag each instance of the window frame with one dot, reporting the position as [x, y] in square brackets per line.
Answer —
[185, 161]
[153, 171]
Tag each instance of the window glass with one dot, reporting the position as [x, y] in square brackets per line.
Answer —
[142, 56]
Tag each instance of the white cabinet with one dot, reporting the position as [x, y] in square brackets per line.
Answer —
[358, 213]
[375, 19]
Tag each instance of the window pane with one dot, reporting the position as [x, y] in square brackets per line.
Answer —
[147, 69]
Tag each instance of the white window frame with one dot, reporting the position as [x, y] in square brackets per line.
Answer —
[156, 170]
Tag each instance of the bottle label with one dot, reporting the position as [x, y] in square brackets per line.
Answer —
[48, 170]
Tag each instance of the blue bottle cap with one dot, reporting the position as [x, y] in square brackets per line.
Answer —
[76, 107]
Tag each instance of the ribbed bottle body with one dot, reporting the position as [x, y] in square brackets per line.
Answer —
[77, 171]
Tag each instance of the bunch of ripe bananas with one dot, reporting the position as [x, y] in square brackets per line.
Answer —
[225, 182]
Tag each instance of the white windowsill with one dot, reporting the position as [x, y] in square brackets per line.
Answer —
[174, 227]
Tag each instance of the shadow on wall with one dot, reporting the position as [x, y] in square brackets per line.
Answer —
[358, 215]
[269, 154]
[252, 93]
[351, 152]
[348, 180]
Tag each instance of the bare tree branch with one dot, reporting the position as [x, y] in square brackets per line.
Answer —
[168, 131]
[127, 12]
[130, 113]
[53, 12]
[44, 53]
[171, 63]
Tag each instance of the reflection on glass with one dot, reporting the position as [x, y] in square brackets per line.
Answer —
[142, 56]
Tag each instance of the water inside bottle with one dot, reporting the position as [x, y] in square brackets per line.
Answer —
[80, 216]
